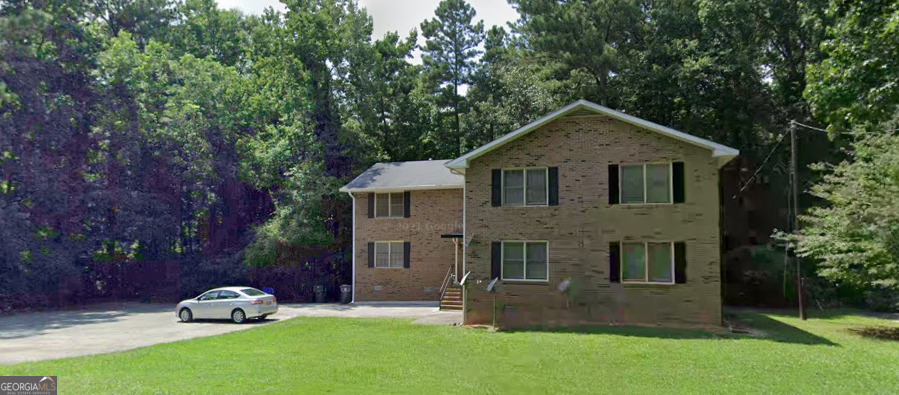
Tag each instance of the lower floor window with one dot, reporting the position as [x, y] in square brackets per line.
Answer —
[525, 260]
[389, 254]
[649, 262]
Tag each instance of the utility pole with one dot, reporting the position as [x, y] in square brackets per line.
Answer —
[794, 181]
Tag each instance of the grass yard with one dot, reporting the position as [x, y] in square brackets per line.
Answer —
[366, 355]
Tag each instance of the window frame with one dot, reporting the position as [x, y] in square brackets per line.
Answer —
[524, 246]
[621, 167]
[646, 259]
[524, 186]
[390, 254]
[390, 214]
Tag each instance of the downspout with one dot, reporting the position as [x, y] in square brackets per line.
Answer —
[353, 260]
[464, 254]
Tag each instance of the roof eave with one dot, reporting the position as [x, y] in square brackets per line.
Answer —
[401, 188]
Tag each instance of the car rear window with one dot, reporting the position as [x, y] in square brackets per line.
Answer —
[252, 292]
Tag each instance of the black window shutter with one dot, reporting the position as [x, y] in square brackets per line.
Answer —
[371, 205]
[371, 254]
[677, 175]
[553, 186]
[497, 188]
[406, 200]
[613, 184]
[496, 251]
[406, 247]
[614, 262]
[680, 263]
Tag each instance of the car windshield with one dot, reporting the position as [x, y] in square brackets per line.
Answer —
[252, 292]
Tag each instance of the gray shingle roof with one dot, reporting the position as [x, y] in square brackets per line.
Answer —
[424, 174]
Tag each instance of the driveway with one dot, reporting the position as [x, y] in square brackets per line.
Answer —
[107, 328]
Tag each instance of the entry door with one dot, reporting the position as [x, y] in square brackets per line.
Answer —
[204, 306]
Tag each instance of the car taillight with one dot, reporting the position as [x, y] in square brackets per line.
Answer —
[257, 301]
[274, 299]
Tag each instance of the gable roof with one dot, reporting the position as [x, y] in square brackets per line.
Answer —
[400, 176]
[722, 152]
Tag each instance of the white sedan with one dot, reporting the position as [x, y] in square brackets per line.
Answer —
[236, 303]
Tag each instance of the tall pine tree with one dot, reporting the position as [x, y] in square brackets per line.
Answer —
[449, 57]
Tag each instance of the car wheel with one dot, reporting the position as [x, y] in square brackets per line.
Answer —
[186, 315]
[238, 316]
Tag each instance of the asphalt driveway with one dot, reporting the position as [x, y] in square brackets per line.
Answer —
[107, 328]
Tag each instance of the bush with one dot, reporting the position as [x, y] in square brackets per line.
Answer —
[882, 299]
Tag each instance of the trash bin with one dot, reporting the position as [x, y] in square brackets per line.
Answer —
[346, 293]
[319, 293]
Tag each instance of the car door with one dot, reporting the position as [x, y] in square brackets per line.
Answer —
[205, 304]
[224, 303]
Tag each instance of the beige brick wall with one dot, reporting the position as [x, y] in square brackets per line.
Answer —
[580, 228]
[432, 213]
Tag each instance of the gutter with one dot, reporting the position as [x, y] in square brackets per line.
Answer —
[353, 260]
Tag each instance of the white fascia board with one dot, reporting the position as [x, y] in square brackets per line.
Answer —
[402, 188]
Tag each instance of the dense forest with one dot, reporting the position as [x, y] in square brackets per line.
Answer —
[141, 131]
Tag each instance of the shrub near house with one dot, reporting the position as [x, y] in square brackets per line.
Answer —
[587, 215]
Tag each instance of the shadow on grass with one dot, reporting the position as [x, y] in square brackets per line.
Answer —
[779, 331]
[762, 327]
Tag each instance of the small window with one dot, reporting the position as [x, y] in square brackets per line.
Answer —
[210, 295]
[525, 187]
[389, 205]
[252, 292]
[632, 184]
[634, 263]
[646, 183]
[525, 260]
[389, 254]
[658, 183]
[227, 295]
[647, 263]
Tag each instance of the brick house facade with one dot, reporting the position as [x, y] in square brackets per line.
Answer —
[550, 211]
[432, 213]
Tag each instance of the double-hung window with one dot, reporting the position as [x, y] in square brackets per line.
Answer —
[389, 205]
[525, 187]
[649, 262]
[525, 260]
[389, 254]
[646, 183]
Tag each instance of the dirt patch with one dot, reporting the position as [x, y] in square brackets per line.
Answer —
[878, 332]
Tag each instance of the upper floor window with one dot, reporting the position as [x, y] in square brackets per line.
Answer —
[389, 205]
[525, 187]
[646, 183]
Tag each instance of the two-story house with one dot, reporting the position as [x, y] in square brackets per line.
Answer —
[587, 215]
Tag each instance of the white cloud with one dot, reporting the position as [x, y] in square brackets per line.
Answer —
[251, 6]
[397, 15]
[405, 15]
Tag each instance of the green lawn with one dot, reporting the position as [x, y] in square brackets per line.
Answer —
[368, 355]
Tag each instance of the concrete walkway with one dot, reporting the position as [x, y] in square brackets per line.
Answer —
[108, 328]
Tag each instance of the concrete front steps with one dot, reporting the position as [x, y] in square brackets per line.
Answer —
[452, 299]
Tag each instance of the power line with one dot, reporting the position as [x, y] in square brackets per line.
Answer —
[809, 127]
[757, 170]
[828, 131]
